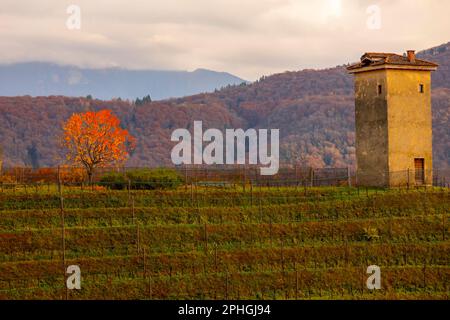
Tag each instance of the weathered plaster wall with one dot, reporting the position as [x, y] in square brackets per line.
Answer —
[371, 128]
[409, 122]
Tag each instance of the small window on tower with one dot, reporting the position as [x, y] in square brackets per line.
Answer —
[421, 88]
[380, 89]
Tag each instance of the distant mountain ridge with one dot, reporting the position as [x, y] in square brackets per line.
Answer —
[45, 79]
[314, 110]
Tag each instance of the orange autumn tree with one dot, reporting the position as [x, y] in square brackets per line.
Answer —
[95, 139]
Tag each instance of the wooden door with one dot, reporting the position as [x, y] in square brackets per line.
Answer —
[419, 169]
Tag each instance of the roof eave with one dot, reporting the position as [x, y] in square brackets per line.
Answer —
[390, 66]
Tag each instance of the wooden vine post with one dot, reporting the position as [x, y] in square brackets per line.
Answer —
[63, 230]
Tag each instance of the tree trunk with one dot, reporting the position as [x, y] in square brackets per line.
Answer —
[90, 173]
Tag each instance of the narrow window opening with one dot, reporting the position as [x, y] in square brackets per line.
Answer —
[380, 89]
[421, 88]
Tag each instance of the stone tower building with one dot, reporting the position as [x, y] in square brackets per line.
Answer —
[393, 119]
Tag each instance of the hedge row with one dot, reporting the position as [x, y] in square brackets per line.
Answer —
[256, 259]
[173, 238]
[330, 210]
[347, 283]
[205, 198]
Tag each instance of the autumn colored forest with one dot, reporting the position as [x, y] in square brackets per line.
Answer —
[314, 110]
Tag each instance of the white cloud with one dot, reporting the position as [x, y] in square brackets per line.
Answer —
[245, 37]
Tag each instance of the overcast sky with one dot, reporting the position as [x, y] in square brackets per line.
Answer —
[248, 38]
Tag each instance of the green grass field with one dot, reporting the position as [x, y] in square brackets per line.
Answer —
[231, 243]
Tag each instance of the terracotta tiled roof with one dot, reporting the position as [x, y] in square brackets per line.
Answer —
[378, 58]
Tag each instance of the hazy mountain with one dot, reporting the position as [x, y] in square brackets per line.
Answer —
[44, 79]
[314, 110]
